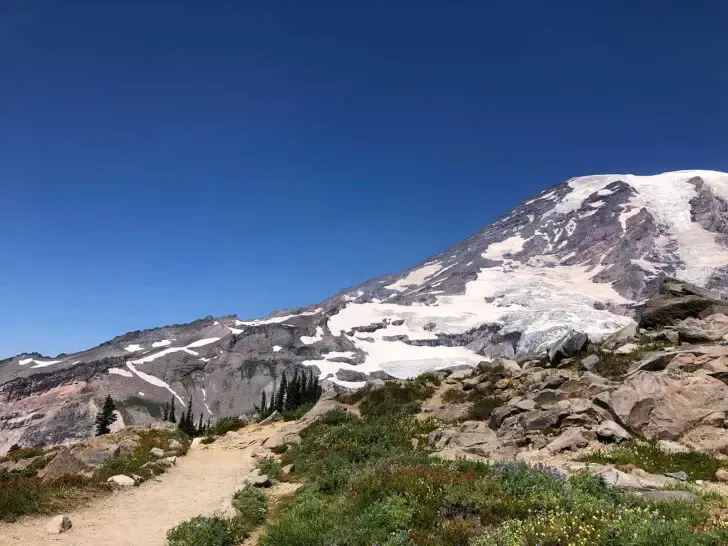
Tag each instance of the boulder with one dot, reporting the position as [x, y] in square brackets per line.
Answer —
[721, 475]
[21, 464]
[666, 310]
[672, 447]
[666, 496]
[627, 348]
[470, 437]
[707, 438]
[665, 407]
[281, 439]
[609, 431]
[569, 345]
[97, 454]
[64, 464]
[572, 438]
[59, 524]
[157, 452]
[711, 328]
[175, 444]
[590, 362]
[272, 418]
[288, 469]
[680, 475]
[511, 366]
[121, 480]
[257, 480]
[628, 332]
[539, 420]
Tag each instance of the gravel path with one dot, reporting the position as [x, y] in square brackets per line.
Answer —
[202, 483]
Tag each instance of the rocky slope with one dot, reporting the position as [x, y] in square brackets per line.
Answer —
[582, 255]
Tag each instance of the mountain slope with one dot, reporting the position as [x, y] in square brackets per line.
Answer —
[583, 255]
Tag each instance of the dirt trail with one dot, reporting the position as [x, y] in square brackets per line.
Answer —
[202, 483]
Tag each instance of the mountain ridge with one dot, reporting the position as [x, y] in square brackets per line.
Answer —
[583, 255]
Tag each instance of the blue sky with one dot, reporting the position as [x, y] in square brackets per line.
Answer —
[161, 161]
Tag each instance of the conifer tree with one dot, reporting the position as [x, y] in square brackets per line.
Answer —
[106, 417]
[282, 390]
[200, 428]
[172, 418]
[293, 394]
[185, 422]
[165, 413]
[263, 410]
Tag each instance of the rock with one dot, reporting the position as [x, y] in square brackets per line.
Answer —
[610, 431]
[137, 479]
[707, 438]
[171, 460]
[671, 447]
[665, 407]
[539, 420]
[721, 475]
[175, 444]
[676, 301]
[471, 382]
[500, 413]
[471, 437]
[569, 345]
[288, 469]
[547, 396]
[272, 418]
[511, 366]
[21, 464]
[711, 328]
[667, 496]
[682, 476]
[98, 454]
[502, 383]
[627, 348]
[258, 480]
[572, 438]
[157, 452]
[590, 362]
[628, 332]
[121, 480]
[638, 480]
[525, 405]
[281, 439]
[58, 525]
[555, 382]
[64, 464]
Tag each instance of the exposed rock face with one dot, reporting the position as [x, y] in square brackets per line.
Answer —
[64, 464]
[665, 407]
[583, 255]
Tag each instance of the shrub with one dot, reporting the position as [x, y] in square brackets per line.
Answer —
[482, 407]
[205, 531]
[226, 424]
[649, 457]
[454, 396]
[395, 398]
[429, 377]
[251, 505]
[270, 467]
[208, 440]
[296, 414]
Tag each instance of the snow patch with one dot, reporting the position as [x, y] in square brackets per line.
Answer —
[512, 245]
[203, 342]
[277, 348]
[152, 380]
[140, 393]
[235, 331]
[133, 348]
[162, 343]
[416, 277]
[119, 371]
[308, 340]
[275, 320]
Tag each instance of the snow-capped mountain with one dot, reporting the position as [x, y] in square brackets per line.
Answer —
[582, 255]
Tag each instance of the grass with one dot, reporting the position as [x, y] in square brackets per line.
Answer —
[615, 365]
[482, 406]
[365, 483]
[454, 396]
[208, 440]
[226, 424]
[25, 494]
[648, 456]
[251, 507]
[271, 468]
[396, 398]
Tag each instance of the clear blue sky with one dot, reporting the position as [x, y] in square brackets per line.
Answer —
[165, 160]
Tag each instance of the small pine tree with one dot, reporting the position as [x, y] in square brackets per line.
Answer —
[263, 410]
[292, 395]
[14, 448]
[165, 413]
[282, 390]
[172, 417]
[200, 427]
[185, 422]
[106, 417]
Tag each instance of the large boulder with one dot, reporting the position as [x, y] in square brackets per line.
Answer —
[569, 345]
[665, 407]
[59, 524]
[64, 464]
[711, 328]
[97, 454]
[676, 301]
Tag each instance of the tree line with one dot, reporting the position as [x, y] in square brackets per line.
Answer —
[301, 390]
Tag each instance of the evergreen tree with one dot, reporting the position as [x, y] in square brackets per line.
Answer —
[310, 389]
[185, 422]
[263, 410]
[282, 390]
[293, 395]
[172, 418]
[13, 448]
[165, 413]
[106, 417]
[208, 426]
[200, 427]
